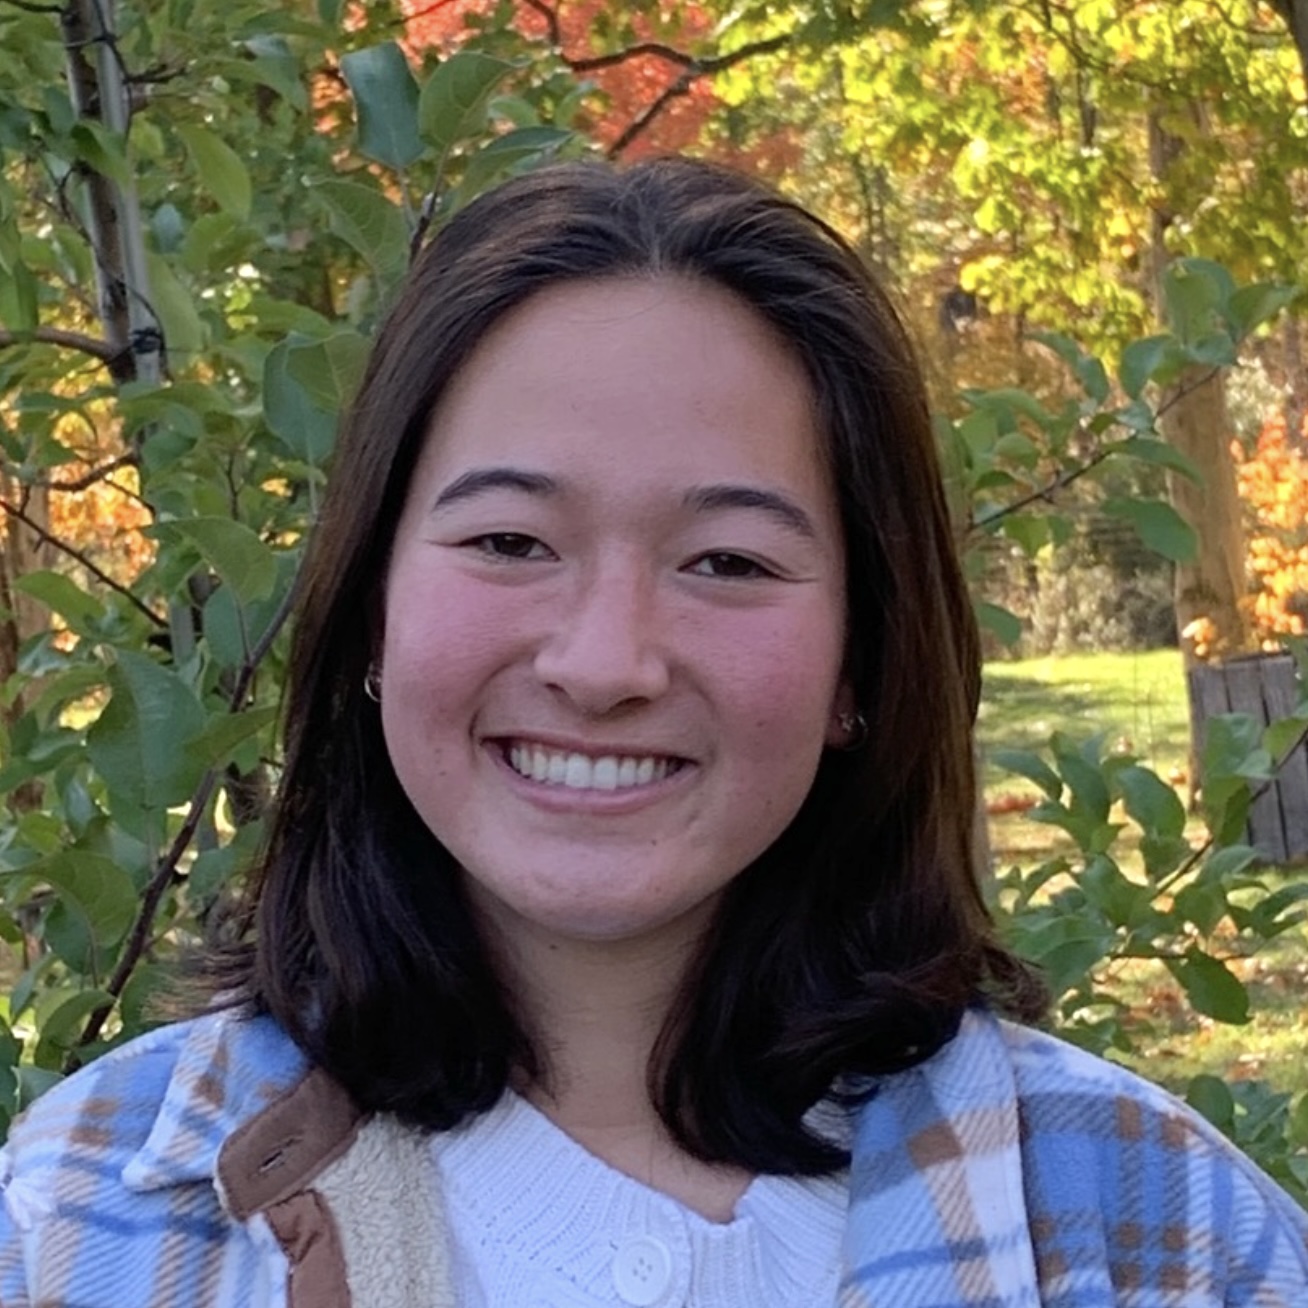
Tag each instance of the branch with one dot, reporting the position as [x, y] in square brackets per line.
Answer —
[92, 345]
[89, 564]
[1070, 475]
[693, 67]
[166, 869]
[33, 8]
[1192, 862]
[694, 70]
[89, 479]
[1047, 493]
[145, 914]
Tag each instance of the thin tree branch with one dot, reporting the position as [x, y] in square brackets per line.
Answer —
[166, 869]
[1192, 862]
[1069, 475]
[92, 345]
[33, 8]
[698, 69]
[89, 479]
[89, 564]
[145, 914]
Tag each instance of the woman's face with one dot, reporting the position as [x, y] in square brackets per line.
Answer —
[614, 617]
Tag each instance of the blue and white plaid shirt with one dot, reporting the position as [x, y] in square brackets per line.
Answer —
[1008, 1170]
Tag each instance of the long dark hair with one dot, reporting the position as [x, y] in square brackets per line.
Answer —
[852, 946]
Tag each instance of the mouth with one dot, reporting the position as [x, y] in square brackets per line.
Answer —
[571, 770]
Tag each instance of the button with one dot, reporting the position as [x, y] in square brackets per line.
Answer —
[642, 1271]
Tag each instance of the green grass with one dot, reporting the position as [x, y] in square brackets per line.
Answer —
[1138, 703]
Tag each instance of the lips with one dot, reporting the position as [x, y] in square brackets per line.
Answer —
[572, 770]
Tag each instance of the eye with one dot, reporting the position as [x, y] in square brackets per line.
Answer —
[509, 545]
[727, 566]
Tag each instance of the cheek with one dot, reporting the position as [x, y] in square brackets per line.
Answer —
[778, 676]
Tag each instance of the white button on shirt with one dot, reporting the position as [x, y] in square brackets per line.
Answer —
[535, 1221]
[642, 1271]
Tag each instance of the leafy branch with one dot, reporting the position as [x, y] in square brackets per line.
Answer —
[21, 515]
[694, 67]
[1067, 476]
[103, 350]
[166, 869]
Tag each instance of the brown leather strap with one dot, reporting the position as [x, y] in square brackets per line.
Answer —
[280, 1150]
[304, 1228]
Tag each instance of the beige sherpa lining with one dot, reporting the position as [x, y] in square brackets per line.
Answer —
[389, 1219]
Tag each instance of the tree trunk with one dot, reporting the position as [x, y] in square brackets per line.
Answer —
[1210, 619]
[21, 551]
[1295, 13]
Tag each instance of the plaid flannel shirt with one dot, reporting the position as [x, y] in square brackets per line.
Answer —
[1008, 1170]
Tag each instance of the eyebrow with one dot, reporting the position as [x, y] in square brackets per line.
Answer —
[706, 499]
[478, 481]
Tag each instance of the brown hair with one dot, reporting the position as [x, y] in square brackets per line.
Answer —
[853, 944]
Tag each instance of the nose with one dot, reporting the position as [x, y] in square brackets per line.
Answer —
[604, 648]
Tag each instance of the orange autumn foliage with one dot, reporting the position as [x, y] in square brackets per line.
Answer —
[1273, 483]
[628, 89]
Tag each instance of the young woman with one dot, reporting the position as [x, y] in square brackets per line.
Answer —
[618, 939]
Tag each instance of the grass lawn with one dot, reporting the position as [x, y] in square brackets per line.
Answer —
[1138, 703]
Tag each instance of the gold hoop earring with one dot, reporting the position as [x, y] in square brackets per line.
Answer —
[372, 682]
[854, 725]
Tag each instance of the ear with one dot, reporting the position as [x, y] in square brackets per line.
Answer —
[843, 707]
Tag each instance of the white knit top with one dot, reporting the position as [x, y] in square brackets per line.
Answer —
[536, 1221]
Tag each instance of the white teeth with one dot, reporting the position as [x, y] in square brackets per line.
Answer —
[581, 772]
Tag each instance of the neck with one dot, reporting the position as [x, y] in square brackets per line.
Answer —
[594, 1010]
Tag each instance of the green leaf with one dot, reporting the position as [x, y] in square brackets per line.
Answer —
[307, 431]
[1109, 891]
[1211, 987]
[230, 548]
[365, 219]
[386, 96]
[222, 173]
[184, 331]
[1204, 905]
[1142, 360]
[1031, 766]
[1151, 802]
[998, 621]
[1251, 306]
[1029, 530]
[1193, 293]
[1228, 862]
[62, 1026]
[1209, 1096]
[329, 11]
[226, 731]
[102, 150]
[452, 105]
[19, 299]
[508, 152]
[1160, 454]
[1158, 525]
[138, 743]
[62, 595]
[94, 887]
[1090, 795]
[329, 370]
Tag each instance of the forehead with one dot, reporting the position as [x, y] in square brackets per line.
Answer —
[616, 374]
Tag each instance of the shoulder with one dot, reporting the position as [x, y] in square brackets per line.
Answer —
[104, 1165]
[214, 1069]
[1170, 1202]
[1075, 1181]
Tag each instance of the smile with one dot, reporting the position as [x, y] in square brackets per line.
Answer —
[576, 771]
